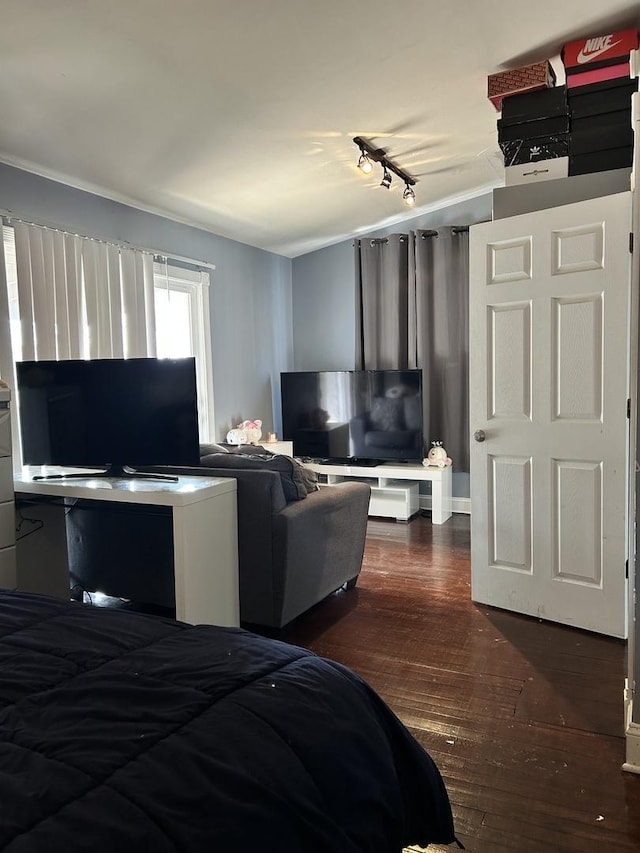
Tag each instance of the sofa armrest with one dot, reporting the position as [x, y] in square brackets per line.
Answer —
[319, 544]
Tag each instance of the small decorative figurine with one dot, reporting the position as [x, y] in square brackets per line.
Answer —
[437, 456]
[248, 432]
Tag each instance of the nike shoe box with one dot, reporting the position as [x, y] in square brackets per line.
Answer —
[598, 52]
[526, 151]
[601, 161]
[539, 75]
[540, 103]
[608, 96]
[541, 170]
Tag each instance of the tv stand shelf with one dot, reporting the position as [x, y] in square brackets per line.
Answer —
[394, 486]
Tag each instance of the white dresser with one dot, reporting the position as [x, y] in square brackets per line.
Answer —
[7, 506]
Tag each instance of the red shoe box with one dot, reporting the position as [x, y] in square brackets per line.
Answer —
[598, 51]
[540, 75]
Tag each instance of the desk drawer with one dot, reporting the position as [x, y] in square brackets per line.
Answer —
[5, 431]
[6, 479]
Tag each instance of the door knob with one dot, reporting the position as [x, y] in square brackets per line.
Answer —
[479, 435]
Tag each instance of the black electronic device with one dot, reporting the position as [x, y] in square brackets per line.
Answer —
[356, 416]
[112, 414]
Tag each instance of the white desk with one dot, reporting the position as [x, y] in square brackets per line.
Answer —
[204, 520]
[394, 486]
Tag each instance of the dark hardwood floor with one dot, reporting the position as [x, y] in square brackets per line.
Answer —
[523, 718]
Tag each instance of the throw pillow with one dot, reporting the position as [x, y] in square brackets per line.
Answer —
[289, 470]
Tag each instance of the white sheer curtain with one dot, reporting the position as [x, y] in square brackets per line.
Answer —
[82, 298]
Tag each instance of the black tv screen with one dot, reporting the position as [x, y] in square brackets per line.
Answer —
[350, 415]
[112, 413]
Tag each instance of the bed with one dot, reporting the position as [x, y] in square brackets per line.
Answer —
[123, 732]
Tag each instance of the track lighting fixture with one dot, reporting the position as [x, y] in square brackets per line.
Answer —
[370, 155]
[408, 196]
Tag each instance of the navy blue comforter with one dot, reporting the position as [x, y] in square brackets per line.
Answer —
[121, 732]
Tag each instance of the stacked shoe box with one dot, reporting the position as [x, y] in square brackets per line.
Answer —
[533, 134]
[599, 93]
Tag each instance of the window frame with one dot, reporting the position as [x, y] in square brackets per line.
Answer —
[196, 284]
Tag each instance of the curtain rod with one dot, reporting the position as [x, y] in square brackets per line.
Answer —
[158, 255]
[378, 241]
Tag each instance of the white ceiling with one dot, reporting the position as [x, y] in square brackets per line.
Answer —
[238, 115]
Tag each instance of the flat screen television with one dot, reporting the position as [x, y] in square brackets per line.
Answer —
[111, 414]
[364, 416]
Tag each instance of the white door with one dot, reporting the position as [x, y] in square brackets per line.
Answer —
[549, 341]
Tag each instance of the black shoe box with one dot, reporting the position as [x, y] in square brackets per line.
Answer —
[605, 97]
[529, 106]
[553, 126]
[601, 161]
[521, 151]
[601, 132]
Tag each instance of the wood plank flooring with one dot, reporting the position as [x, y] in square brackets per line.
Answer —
[523, 718]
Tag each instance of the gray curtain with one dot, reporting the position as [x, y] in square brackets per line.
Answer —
[413, 311]
[382, 294]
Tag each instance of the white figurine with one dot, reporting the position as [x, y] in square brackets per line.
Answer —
[437, 456]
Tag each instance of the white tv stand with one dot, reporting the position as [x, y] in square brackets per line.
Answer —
[394, 486]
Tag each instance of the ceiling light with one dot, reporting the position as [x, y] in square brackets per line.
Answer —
[364, 163]
[386, 178]
[408, 196]
[369, 155]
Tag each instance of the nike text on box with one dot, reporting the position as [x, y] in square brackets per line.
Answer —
[604, 49]
[540, 75]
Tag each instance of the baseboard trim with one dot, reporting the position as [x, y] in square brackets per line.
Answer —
[462, 505]
[632, 764]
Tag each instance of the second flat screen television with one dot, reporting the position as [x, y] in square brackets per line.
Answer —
[354, 415]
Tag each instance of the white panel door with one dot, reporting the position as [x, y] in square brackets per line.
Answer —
[549, 343]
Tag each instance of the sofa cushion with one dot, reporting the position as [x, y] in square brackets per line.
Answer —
[207, 449]
[290, 471]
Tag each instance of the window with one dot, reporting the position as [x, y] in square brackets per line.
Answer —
[182, 328]
[181, 298]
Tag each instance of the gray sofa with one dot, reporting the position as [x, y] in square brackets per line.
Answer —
[296, 543]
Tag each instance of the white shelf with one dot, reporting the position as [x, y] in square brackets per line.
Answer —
[395, 487]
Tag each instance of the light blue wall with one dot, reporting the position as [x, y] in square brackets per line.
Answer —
[324, 309]
[324, 289]
[251, 321]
